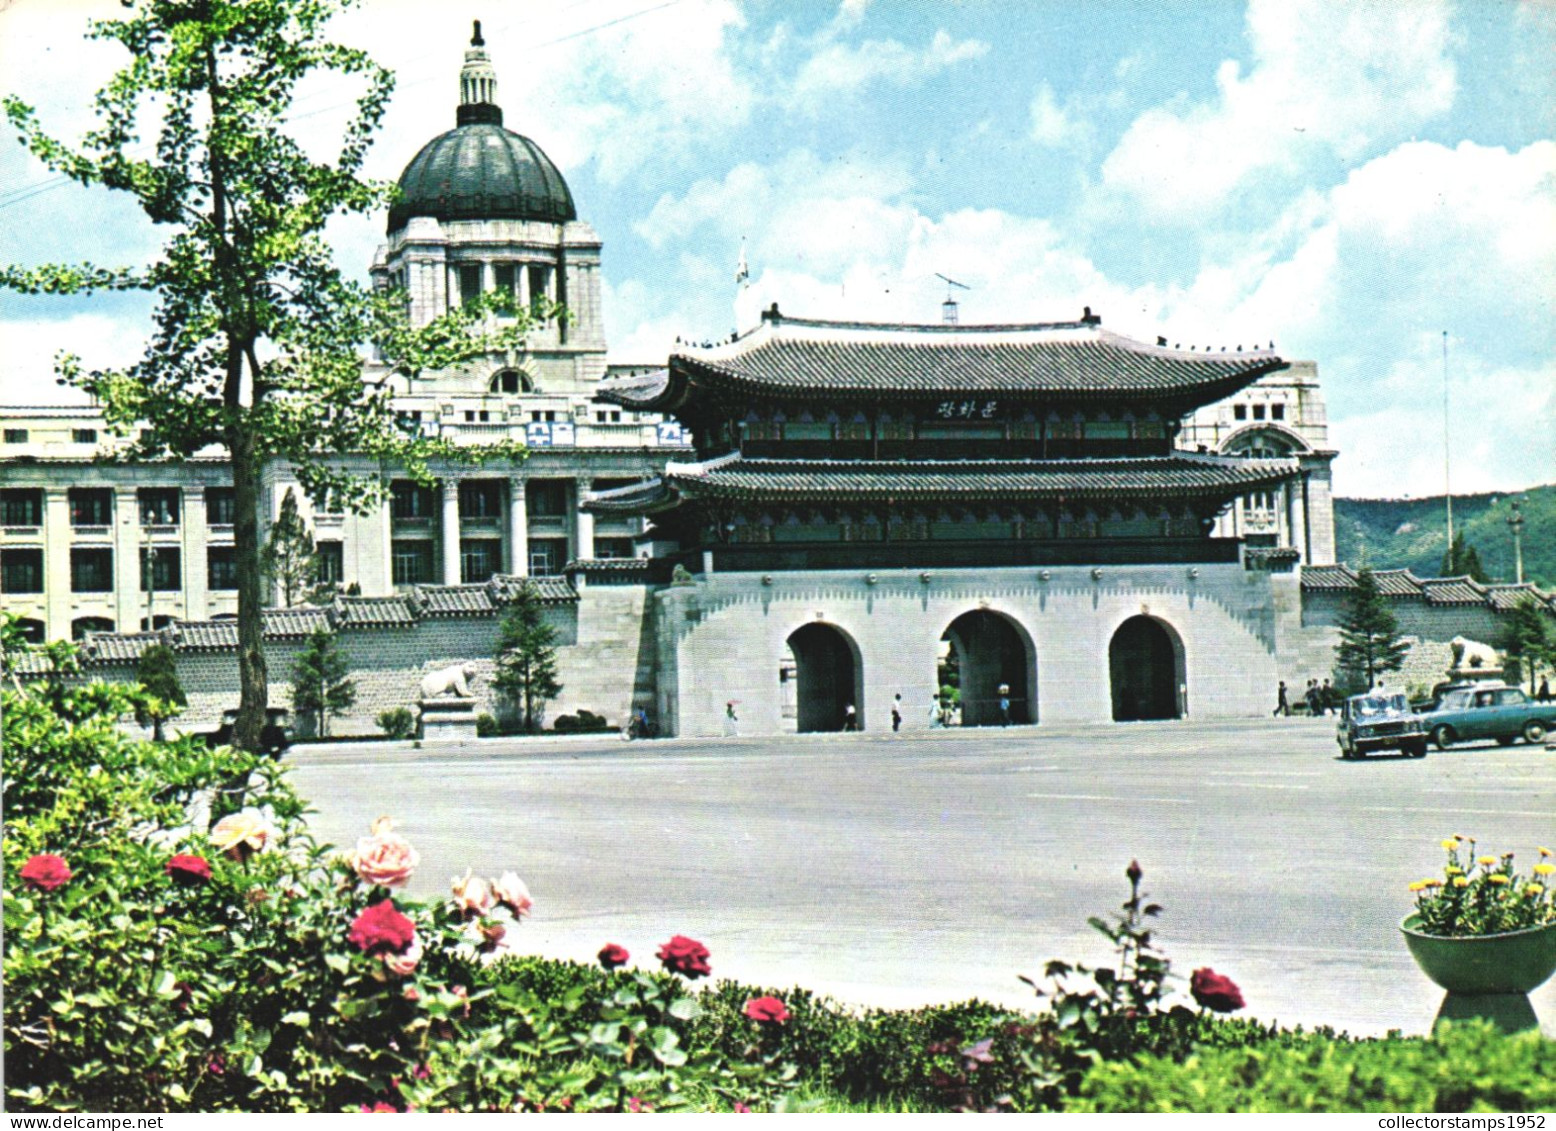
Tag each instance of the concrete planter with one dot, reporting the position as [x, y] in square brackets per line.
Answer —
[1487, 976]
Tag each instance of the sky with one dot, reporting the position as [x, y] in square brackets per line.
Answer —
[1347, 179]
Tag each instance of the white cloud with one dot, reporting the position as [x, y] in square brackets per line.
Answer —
[1052, 125]
[30, 345]
[839, 71]
[1330, 79]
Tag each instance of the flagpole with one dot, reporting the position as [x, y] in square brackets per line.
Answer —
[1447, 465]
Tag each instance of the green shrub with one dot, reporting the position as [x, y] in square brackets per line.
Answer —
[486, 726]
[399, 723]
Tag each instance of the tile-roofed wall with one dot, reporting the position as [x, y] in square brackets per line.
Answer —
[1505, 598]
[1402, 584]
[205, 635]
[120, 647]
[1321, 577]
[454, 600]
[295, 623]
[1454, 591]
[1397, 583]
[374, 612]
[550, 590]
[606, 565]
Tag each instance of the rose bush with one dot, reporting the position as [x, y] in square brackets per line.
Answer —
[685, 956]
[46, 872]
[1215, 991]
[384, 858]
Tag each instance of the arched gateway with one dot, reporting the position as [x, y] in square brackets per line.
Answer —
[995, 664]
[1146, 667]
[827, 678]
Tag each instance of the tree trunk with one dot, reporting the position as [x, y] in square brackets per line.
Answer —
[252, 675]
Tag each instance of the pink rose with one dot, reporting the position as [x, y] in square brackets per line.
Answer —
[385, 857]
[1215, 991]
[510, 891]
[404, 965]
[191, 871]
[768, 1009]
[240, 835]
[472, 896]
[46, 871]
[381, 929]
[613, 955]
[682, 955]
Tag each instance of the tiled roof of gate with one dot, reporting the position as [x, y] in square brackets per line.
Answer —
[606, 565]
[374, 612]
[550, 590]
[796, 355]
[454, 600]
[1181, 475]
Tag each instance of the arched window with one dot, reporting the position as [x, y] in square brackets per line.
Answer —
[512, 381]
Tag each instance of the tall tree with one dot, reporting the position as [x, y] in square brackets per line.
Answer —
[1462, 560]
[157, 672]
[258, 337]
[290, 562]
[1369, 635]
[321, 683]
[1529, 635]
[526, 657]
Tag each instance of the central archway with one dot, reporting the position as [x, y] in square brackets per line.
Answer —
[826, 678]
[1146, 670]
[995, 666]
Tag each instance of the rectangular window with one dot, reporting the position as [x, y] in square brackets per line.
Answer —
[21, 571]
[158, 506]
[165, 575]
[1150, 430]
[331, 557]
[807, 430]
[479, 558]
[91, 506]
[610, 549]
[1277, 412]
[411, 561]
[221, 568]
[480, 498]
[1258, 412]
[547, 556]
[91, 570]
[21, 507]
[221, 506]
[84, 435]
[1240, 412]
[539, 286]
[16, 435]
[1107, 430]
[508, 279]
[409, 500]
[547, 498]
[469, 283]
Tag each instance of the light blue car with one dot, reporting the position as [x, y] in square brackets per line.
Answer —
[1489, 711]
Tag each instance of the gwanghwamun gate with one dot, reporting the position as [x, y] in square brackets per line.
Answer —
[812, 516]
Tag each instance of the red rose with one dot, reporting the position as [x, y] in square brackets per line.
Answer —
[46, 872]
[613, 955]
[1215, 991]
[766, 1009]
[682, 955]
[190, 871]
[381, 929]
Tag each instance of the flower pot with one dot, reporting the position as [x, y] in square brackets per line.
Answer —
[1487, 976]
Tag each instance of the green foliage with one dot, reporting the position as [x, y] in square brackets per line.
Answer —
[1461, 560]
[584, 722]
[486, 726]
[397, 723]
[1529, 639]
[1462, 1068]
[1369, 637]
[1483, 895]
[321, 685]
[1409, 533]
[526, 657]
[291, 565]
[157, 673]
[258, 338]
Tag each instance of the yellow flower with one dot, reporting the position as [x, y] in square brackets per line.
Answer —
[1419, 885]
[1433, 883]
[1499, 878]
[1450, 845]
[1545, 852]
[1460, 882]
[1485, 861]
[1543, 869]
[1454, 871]
[1534, 890]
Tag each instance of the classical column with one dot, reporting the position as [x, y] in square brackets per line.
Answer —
[194, 534]
[450, 528]
[518, 528]
[583, 523]
[56, 562]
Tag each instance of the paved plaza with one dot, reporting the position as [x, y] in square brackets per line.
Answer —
[897, 871]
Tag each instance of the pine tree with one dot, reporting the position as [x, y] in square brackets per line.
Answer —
[290, 561]
[157, 672]
[1529, 635]
[1369, 635]
[1462, 560]
[526, 657]
[320, 686]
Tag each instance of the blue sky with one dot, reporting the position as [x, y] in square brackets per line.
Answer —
[1348, 180]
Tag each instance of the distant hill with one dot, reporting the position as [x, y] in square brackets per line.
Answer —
[1409, 533]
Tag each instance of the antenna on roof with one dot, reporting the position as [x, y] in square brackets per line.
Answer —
[949, 313]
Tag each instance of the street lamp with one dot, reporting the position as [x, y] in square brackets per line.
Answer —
[1515, 523]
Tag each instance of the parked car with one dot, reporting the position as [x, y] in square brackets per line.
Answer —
[1483, 711]
[274, 737]
[1379, 721]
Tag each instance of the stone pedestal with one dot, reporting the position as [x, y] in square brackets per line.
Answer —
[447, 719]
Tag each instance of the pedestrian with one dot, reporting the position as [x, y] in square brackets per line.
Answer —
[1310, 696]
[731, 723]
[896, 713]
[1004, 708]
[1326, 698]
[1282, 707]
[936, 718]
[850, 718]
[1544, 695]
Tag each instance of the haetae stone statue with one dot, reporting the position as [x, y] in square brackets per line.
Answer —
[453, 681]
